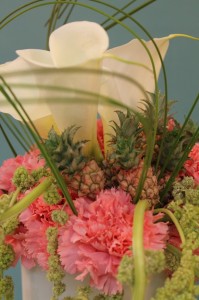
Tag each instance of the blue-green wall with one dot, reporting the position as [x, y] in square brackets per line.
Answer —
[161, 18]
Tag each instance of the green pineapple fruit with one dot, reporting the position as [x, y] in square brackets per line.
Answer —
[124, 151]
[65, 152]
[83, 176]
[127, 156]
[129, 180]
[89, 182]
[178, 151]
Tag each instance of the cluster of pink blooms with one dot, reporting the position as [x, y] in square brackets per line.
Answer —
[192, 164]
[92, 243]
[95, 241]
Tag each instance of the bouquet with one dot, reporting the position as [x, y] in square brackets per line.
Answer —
[108, 186]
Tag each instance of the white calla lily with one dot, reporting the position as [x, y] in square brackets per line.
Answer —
[79, 45]
[138, 69]
[76, 47]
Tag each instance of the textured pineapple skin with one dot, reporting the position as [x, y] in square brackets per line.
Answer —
[89, 182]
[129, 180]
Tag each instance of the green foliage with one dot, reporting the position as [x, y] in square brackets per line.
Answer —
[22, 179]
[10, 225]
[7, 288]
[59, 216]
[55, 272]
[154, 263]
[7, 256]
[182, 283]
[125, 151]
[65, 152]
[52, 196]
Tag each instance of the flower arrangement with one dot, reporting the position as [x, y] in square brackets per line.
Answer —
[108, 187]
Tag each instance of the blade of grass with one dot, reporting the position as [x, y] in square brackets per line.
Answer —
[175, 143]
[26, 201]
[38, 141]
[135, 10]
[116, 13]
[16, 132]
[8, 141]
[180, 164]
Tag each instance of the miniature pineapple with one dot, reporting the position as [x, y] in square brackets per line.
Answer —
[83, 176]
[126, 159]
[65, 152]
[129, 180]
[89, 182]
[123, 154]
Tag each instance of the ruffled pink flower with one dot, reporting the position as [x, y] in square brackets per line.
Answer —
[174, 239]
[194, 153]
[29, 240]
[100, 134]
[17, 241]
[171, 124]
[30, 160]
[95, 241]
[192, 164]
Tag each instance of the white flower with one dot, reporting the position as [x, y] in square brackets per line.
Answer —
[125, 91]
[80, 46]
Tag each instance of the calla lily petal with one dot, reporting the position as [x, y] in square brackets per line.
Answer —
[124, 91]
[78, 42]
[20, 72]
[40, 58]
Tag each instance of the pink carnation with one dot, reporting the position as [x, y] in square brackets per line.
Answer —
[100, 134]
[17, 242]
[30, 160]
[174, 238]
[194, 153]
[29, 241]
[171, 124]
[95, 241]
[192, 164]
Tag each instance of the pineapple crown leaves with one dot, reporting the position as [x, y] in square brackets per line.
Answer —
[66, 153]
[128, 127]
[149, 108]
[183, 141]
[124, 143]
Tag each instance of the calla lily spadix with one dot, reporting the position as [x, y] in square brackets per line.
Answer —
[80, 45]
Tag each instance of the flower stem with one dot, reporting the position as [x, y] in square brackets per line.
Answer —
[174, 220]
[138, 250]
[27, 200]
[14, 197]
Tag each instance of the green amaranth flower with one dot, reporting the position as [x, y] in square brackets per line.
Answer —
[7, 288]
[7, 256]
[51, 196]
[59, 216]
[22, 179]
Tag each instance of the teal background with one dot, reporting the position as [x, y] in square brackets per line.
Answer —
[160, 18]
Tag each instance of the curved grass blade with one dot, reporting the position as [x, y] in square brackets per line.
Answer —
[8, 141]
[180, 164]
[16, 132]
[39, 143]
[175, 143]
[110, 26]
[116, 13]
